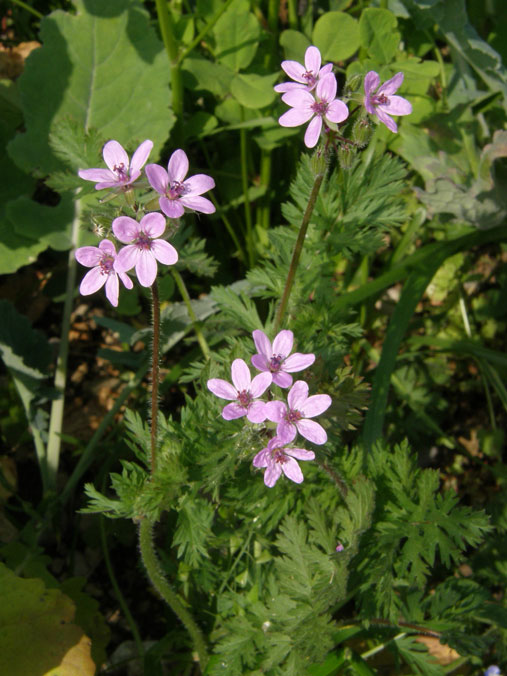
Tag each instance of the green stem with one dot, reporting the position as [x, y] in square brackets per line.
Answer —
[204, 31]
[118, 593]
[155, 374]
[293, 15]
[57, 407]
[159, 581]
[297, 250]
[23, 5]
[195, 322]
[244, 181]
[167, 31]
[265, 178]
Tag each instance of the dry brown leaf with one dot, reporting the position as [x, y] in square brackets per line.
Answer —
[442, 653]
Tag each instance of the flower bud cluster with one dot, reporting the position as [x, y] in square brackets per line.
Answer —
[292, 417]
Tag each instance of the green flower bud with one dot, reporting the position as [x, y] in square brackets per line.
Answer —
[353, 84]
[362, 132]
[346, 155]
[318, 161]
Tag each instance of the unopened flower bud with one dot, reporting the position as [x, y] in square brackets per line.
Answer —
[352, 84]
[318, 161]
[346, 155]
[362, 132]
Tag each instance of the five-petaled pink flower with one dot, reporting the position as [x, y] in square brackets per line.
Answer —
[243, 393]
[307, 76]
[305, 106]
[294, 417]
[176, 192]
[120, 173]
[277, 459]
[274, 358]
[383, 103]
[144, 249]
[101, 259]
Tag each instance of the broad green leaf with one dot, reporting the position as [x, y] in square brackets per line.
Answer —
[336, 34]
[105, 69]
[42, 223]
[237, 34]
[379, 34]
[200, 125]
[254, 91]
[37, 633]
[294, 45]
[204, 74]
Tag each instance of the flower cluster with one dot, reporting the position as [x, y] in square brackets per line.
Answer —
[312, 97]
[275, 363]
[143, 239]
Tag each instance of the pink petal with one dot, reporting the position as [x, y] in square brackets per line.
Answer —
[328, 68]
[164, 252]
[315, 405]
[286, 431]
[326, 88]
[98, 175]
[369, 105]
[177, 168]
[371, 82]
[295, 117]
[202, 204]
[256, 412]
[171, 208]
[298, 362]
[109, 184]
[107, 247]
[233, 411]
[153, 224]
[157, 177]
[240, 375]
[313, 132]
[260, 384]
[140, 156]
[146, 268]
[294, 70]
[312, 60]
[392, 85]
[292, 470]
[287, 86]
[298, 98]
[398, 106]
[275, 411]
[283, 342]
[272, 474]
[262, 458]
[88, 255]
[92, 281]
[196, 185]
[385, 119]
[260, 362]
[125, 279]
[127, 258]
[337, 111]
[126, 229]
[134, 175]
[311, 430]
[282, 379]
[298, 395]
[262, 343]
[112, 289]
[115, 155]
[300, 453]
[221, 388]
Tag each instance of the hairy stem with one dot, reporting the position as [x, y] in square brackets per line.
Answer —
[159, 581]
[155, 374]
[297, 250]
[196, 325]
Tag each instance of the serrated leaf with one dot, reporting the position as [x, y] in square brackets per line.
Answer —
[336, 34]
[111, 75]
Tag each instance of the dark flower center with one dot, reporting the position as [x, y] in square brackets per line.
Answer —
[310, 78]
[293, 416]
[244, 398]
[379, 100]
[279, 457]
[175, 190]
[320, 107]
[106, 264]
[143, 242]
[120, 171]
[275, 362]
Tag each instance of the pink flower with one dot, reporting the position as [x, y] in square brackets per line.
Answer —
[275, 358]
[101, 259]
[293, 418]
[306, 76]
[277, 459]
[339, 547]
[120, 172]
[383, 104]
[176, 192]
[305, 106]
[143, 250]
[242, 393]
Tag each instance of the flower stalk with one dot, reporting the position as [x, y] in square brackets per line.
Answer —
[155, 374]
